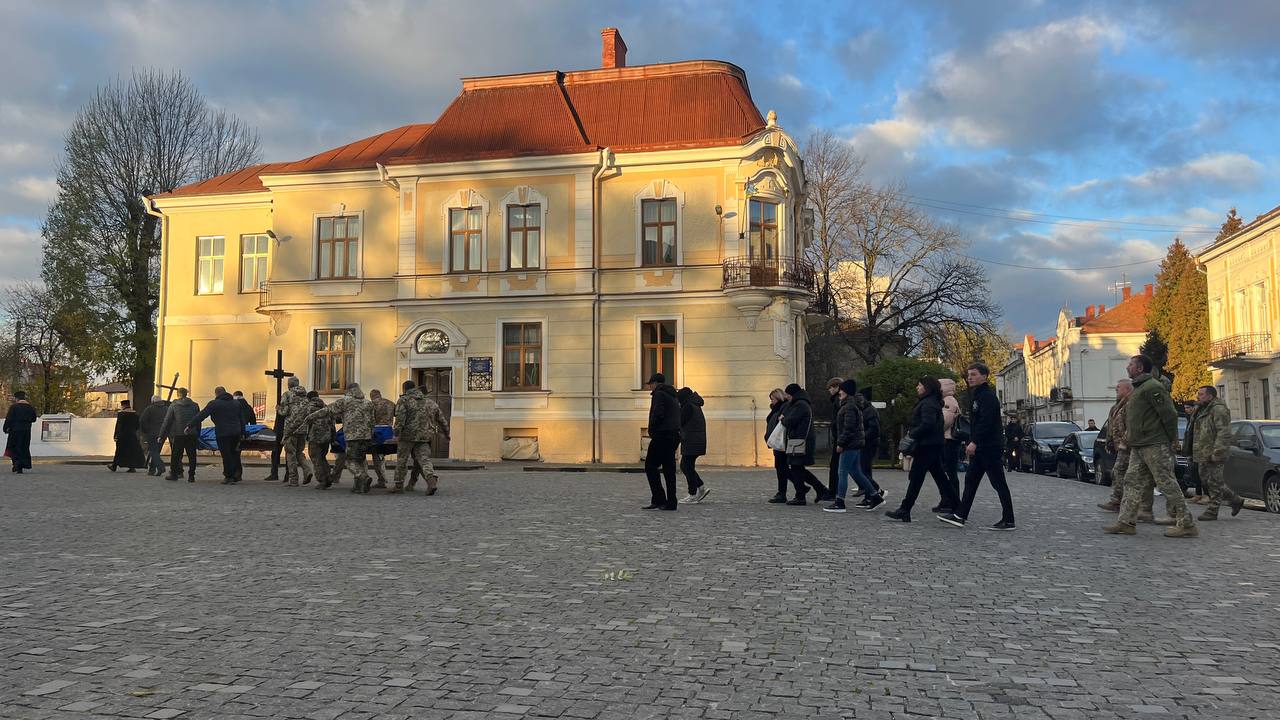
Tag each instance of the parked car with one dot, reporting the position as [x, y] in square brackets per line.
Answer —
[1039, 449]
[1075, 456]
[1253, 463]
[1105, 461]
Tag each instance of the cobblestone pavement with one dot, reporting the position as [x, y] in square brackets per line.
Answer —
[553, 595]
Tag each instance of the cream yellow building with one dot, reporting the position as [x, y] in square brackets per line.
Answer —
[1244, 343]
[530, 258]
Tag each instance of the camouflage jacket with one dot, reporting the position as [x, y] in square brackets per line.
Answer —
[355, 412]
[384, 411]
[321, 429]
[418, 418]
[294, 407]
[1117, 425]
[1211, 433]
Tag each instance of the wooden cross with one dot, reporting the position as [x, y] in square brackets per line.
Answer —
[170, 388]
[279, 373]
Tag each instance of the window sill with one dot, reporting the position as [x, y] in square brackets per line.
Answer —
[521, 399]
[335, 287]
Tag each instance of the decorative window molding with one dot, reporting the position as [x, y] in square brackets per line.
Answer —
[638, 376]
[524, 195]
[659, 190]
[499, 361]
[462, 200]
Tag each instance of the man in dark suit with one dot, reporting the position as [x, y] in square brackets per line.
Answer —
[227, 427]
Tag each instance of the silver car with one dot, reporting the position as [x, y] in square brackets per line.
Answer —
[1253, 465]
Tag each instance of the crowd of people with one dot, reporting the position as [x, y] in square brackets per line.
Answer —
[305, 433]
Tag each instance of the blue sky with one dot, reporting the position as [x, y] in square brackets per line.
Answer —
[1158, 114]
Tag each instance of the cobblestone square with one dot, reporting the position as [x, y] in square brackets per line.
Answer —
[518, 594]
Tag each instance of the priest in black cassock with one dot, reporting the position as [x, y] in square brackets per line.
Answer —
[17, 425]
[128, 443]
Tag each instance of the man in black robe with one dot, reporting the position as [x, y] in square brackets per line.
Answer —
[17, 426]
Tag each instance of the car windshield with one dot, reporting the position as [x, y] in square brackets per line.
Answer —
[1270, 435]
[1086, 440]
[1054, 430]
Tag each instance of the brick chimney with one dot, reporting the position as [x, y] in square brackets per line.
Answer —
[1147, 290]
[1088, 312]
[1102, 309]
[613, 51]
[1124, 294]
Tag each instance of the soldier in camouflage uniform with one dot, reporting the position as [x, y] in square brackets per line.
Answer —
[320, 433]
[384, 413]
[1211, 441]
[357, 425]
[293, 407]
[1152, 433]
[1117, 443]
[418, 419]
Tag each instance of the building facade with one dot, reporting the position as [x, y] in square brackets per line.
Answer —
[1241, 278]
[1072, 375]
[529, 258]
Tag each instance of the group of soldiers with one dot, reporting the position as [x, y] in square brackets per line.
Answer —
[1142, 429]
[307, 427]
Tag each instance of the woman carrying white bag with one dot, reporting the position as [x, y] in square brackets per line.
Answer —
[775, 437]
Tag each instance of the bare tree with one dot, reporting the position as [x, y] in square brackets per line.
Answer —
[43, 334]
[148, 135]
[834, 182]
[913, 277]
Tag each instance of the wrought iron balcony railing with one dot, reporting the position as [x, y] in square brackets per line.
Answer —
[786, 272]
[1238, 345]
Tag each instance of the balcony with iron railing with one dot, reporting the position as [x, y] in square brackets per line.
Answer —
[1243, 350]
[754, 283]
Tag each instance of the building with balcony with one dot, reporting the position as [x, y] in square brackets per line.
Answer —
[1072, 375]
[529, 258]
[1241, 275]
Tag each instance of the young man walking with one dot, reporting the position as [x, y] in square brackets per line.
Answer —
[985, 451]
[182, 437]
[1152, 436]
[1211, 441]
[1118, 442]
[664, 436]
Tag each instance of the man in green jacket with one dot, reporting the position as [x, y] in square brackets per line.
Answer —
[1211, 441]
[1152, 422]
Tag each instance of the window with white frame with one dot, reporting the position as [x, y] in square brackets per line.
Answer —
[466, 248]
[335, 359]
[253, 262]
[338, 247]
[210, 262]
[524, 237]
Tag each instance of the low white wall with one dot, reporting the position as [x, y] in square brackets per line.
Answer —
[89, 437]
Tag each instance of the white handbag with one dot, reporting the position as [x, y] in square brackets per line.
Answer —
[778, 438]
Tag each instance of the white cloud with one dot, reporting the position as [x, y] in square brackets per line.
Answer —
[21, 249]
[37, 189]
[1209, 173]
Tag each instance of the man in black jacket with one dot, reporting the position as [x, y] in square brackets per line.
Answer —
[247, 415]
[664, 437]
[227, 427]
[149, 422]
[985, 451]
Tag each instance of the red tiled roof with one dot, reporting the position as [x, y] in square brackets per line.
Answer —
[649, 107]
[1130, 316]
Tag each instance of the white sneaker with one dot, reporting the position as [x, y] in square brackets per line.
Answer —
[689, 500]
[703, 492]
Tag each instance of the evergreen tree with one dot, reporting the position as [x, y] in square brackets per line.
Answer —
[1178, 322]
[1230, 226]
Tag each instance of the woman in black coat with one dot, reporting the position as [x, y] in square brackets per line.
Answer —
[777, 404]
[797, 418]
[128, 446]
[926, 428]
[693, 443]
[17, 426]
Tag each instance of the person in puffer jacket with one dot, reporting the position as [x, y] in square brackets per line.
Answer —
[926, 428]
[693, 443]
[850, 439]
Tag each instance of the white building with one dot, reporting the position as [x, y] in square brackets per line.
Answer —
[1072, 375]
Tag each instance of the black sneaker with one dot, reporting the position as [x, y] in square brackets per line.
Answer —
[652, 506]
[864, 504]
[779, 498]
[797, 501]
[898, 515]
[835, 507]
[1001, 526]
[952, 519]
[875, 501]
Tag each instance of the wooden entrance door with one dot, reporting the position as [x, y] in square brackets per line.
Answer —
[437, 384]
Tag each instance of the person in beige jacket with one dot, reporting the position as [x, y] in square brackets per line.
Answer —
[950, 443]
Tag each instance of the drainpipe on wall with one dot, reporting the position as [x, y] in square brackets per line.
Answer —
[597, 205]
[164, 285]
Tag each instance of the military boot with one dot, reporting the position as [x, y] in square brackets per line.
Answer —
[1165, 520]
[1120, 528]
[1182, 532]
[1145, 516]
[1208, 514]
[1112, 505]
[396, 490]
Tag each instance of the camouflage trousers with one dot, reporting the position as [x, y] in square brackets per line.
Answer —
[380, 467]
[294, 447]
[1153, 464]
[419, 454]
[1214, 487]
[356, 451]
[1117, 483]
[319, 461]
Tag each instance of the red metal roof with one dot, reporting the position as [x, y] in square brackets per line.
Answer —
[691, 104]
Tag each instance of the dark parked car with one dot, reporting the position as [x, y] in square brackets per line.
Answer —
[1253, 464]
[1105, 461]
[1075, 456]
[1039, 449]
